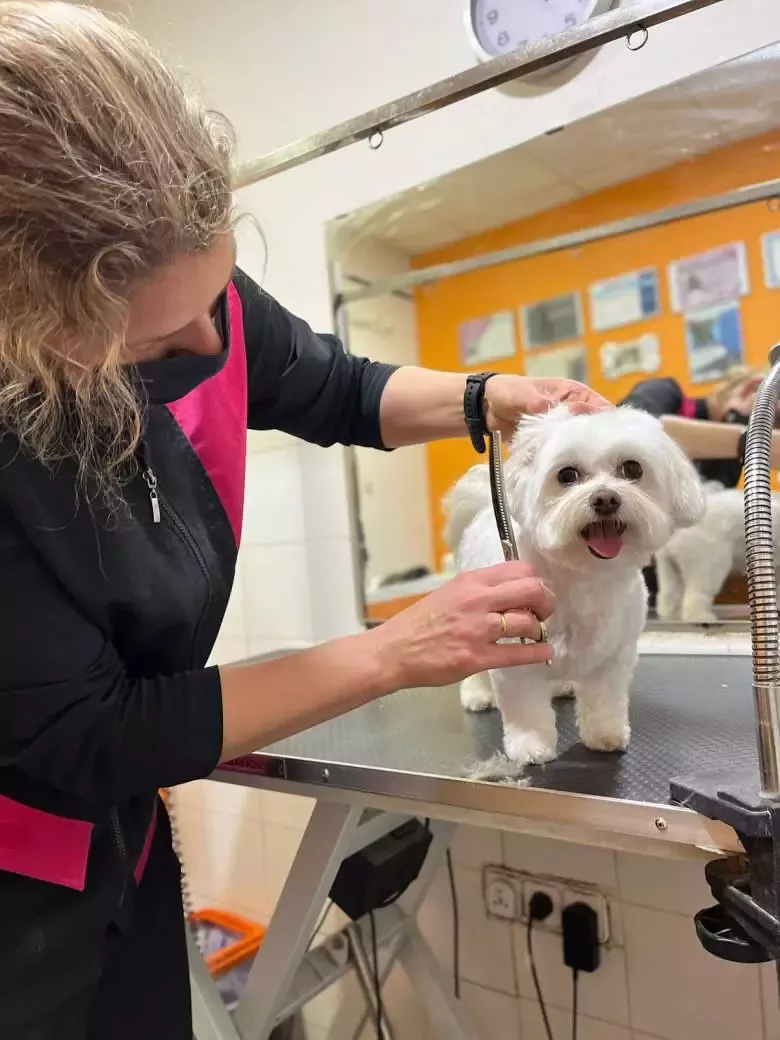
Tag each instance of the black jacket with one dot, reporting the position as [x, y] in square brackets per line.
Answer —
[108, 617]
[665, 397]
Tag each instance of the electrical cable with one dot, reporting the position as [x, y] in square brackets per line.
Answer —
[575, 993]
[377, 982]
[535, 977]
[455, 927]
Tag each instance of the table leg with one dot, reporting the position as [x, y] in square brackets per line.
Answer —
[325, 843]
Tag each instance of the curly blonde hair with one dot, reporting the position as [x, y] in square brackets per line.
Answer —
[737, 377]
[109, 170]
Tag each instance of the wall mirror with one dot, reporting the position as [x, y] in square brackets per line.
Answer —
[642, 243]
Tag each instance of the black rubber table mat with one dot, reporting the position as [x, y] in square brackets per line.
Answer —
[688, 715]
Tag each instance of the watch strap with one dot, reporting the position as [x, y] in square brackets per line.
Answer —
[474, 409]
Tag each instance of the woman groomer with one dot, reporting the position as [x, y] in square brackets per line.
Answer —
[133, 356]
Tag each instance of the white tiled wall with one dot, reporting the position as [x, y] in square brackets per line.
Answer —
[655, 982]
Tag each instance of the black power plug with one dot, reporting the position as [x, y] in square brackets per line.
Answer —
[581, 951]
[540, 907]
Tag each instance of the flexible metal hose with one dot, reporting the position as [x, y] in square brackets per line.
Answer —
[762, 589]
[498, 492]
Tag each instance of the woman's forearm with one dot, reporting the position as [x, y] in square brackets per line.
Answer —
[271, 700]
[702, 440]
[420, 405]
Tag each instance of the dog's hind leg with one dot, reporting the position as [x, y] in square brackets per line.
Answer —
[476, 693]
[703, 576]
[670, 588]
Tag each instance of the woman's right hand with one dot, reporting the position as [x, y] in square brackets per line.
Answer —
[454, 632]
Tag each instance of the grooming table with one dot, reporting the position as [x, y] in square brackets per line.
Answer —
[412, 755]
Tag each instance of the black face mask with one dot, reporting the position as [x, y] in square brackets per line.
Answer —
[170, 379]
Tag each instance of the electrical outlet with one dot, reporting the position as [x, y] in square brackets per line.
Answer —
[555, 892]
[507, 895]
[596, 901]
[503, 896]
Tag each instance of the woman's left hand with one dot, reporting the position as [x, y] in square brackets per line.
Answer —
[508, 398]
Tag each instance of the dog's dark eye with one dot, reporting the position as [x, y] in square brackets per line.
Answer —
[568, 475]
[630, 470]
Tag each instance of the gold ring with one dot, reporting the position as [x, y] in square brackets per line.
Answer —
[543, 629]
[504, 626]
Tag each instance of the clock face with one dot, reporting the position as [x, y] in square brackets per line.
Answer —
[503, 26]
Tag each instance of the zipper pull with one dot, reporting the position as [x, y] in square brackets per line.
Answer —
[150, 479]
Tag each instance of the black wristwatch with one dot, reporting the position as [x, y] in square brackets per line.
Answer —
[474, 409]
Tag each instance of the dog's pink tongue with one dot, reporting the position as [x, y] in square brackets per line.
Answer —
[602, 543]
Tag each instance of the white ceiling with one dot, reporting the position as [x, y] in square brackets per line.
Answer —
[717, 108]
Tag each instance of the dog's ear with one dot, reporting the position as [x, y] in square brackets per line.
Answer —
[688, 500]
[531, 432]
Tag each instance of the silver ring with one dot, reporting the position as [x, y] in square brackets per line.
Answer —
[644, 36]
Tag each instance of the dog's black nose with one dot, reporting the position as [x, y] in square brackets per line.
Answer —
[605, 503]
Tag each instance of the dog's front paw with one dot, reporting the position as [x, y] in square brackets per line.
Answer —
[526, 747]
[476, 693]
[613, 737]
[667, 607]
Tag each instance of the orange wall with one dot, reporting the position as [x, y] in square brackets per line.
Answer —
[443, 307]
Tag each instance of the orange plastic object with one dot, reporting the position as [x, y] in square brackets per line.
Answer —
[250, 936]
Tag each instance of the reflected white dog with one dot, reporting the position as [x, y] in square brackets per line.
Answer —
[694, 565]
[592, 498]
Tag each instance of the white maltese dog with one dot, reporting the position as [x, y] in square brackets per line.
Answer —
[592, 498]
[694, 564]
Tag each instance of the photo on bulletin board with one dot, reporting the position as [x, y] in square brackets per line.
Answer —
[641, 355]
[564, 363]
[624, 300]
[709, 279]
[548, 322]
[770, 246]
[714, 341]
[487, 339]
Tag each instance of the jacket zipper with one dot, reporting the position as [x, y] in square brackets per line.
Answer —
[159, 506]
[195, 550]
[150, 479]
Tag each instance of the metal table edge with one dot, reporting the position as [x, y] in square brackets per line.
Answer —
[662, 823]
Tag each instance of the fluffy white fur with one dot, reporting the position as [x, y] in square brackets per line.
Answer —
[601, 603]
[695, 563]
